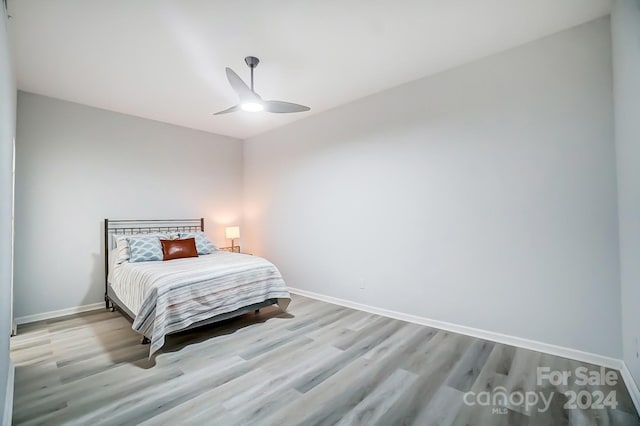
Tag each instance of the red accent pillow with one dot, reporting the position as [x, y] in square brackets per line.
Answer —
[178, 249]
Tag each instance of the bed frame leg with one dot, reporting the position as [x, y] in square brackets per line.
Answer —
[145, 340]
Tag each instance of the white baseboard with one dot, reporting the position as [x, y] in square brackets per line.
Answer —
[520, 342]
[632, 386]
[55, 314]
[8, 401]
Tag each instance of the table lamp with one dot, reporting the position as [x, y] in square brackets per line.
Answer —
[232, 232]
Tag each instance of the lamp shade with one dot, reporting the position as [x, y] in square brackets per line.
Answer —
[232, 232]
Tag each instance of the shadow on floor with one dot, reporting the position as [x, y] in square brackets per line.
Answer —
[124, 344]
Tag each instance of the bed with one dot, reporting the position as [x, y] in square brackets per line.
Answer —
[165, 297]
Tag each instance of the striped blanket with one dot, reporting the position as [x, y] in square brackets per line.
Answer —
[170, 296]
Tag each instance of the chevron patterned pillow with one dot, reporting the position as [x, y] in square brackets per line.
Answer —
[145, 248]
[122, 253]
[203, 244]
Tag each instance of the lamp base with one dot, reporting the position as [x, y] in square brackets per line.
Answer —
[234, 249]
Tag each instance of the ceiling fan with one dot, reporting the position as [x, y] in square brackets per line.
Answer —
[250, 100]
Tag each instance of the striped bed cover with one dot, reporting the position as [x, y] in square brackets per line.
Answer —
[170, 296]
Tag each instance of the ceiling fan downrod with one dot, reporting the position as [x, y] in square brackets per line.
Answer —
[252, 62]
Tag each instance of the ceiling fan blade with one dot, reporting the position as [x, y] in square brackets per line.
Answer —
[228, 110]
[283, 107]
[243, 91]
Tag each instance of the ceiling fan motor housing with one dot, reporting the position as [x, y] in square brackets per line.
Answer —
[252, 61]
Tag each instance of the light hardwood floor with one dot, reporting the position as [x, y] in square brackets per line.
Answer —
[317, 364]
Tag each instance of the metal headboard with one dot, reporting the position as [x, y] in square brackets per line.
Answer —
[143, 226]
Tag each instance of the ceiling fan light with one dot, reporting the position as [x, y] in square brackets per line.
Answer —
[252, 106]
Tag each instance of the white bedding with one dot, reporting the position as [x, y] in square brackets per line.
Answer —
[168, 296]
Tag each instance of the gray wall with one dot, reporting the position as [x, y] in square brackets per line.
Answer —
[483, 196]
[7, 132]
[77, 165]
[625, 26]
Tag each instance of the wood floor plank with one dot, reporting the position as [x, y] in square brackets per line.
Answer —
[210, 403]
[436, 365]
[470, 365]
[443, 407]
[156, 400]
[376, 403]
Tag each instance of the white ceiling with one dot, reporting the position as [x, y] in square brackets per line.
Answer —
[165, 60]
